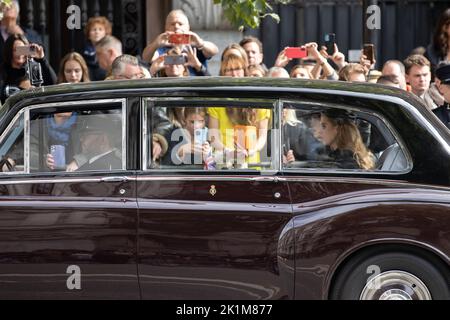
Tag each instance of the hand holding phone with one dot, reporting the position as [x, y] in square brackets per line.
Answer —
[28, 50]
[201, 136]
[369, 52]
[179, 38]
[296, 52]
[174, 60]
[330, 40]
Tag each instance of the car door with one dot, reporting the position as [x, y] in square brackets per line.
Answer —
[65, 234]
[212, 231]
[344, 168]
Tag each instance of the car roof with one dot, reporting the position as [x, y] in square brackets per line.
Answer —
[194, 83]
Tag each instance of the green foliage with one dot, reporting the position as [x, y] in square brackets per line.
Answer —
[248, 13]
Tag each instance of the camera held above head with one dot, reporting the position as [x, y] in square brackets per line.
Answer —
[34, 72]
[28, 50]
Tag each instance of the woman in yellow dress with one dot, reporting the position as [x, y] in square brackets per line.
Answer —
[239, 134]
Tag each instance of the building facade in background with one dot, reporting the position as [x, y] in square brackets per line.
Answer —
[405, 25]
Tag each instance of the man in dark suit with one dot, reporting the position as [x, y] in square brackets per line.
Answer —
[97, 143]
[443, 84]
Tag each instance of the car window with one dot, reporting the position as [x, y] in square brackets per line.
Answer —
[217, 136]
[61, 139]
[317, 137]
[12, 147]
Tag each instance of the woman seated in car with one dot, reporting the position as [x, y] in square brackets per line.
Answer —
[343, 141]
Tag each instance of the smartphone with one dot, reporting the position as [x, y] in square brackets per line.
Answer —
[172, 60]
[369, 52]
[26, 50]
[200, 136]
[295, 52]
[330, 40]
[179, 38]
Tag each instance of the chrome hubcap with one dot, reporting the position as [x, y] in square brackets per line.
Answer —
[395, 285]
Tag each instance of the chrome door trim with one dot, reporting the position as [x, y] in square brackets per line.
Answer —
[53, 180]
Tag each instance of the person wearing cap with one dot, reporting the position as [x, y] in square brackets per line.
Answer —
[97, 143]
[443, 85]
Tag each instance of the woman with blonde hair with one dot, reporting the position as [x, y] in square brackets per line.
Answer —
[235, 49]
[234, 66]
[343, 140]
[73, 69]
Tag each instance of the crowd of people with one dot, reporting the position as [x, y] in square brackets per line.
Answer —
[180, 52]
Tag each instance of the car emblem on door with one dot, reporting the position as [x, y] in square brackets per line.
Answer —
[213, 190]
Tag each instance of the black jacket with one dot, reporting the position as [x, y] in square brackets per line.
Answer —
[343, 159]
[443, 113]
[109, 161]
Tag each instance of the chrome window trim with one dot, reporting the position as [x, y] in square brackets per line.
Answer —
[274, 104]
[124, 134]
[26, 110]
[5, 133]
[392, 130]
[144, 138]
[26, 141]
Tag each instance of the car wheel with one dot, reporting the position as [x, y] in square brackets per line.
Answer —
[392, 276]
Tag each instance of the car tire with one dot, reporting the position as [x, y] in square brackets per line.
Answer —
[392, 276]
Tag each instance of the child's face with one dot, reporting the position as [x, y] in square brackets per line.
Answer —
[97, 33]
[194, 122]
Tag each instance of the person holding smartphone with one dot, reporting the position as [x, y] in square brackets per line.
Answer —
[176, 63]
[14, 64]
[195, 148]
[9, 25]
[177, 23]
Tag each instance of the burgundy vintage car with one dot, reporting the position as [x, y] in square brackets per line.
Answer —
[219, 188]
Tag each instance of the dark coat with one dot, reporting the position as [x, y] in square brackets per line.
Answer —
[110, 161]
[343, 159]
[95, 72]
[443, 113]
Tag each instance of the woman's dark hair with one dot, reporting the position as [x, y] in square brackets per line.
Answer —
[440, 38]
[9, 47]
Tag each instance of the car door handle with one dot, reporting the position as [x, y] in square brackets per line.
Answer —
[114, 179]
[268, 179]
